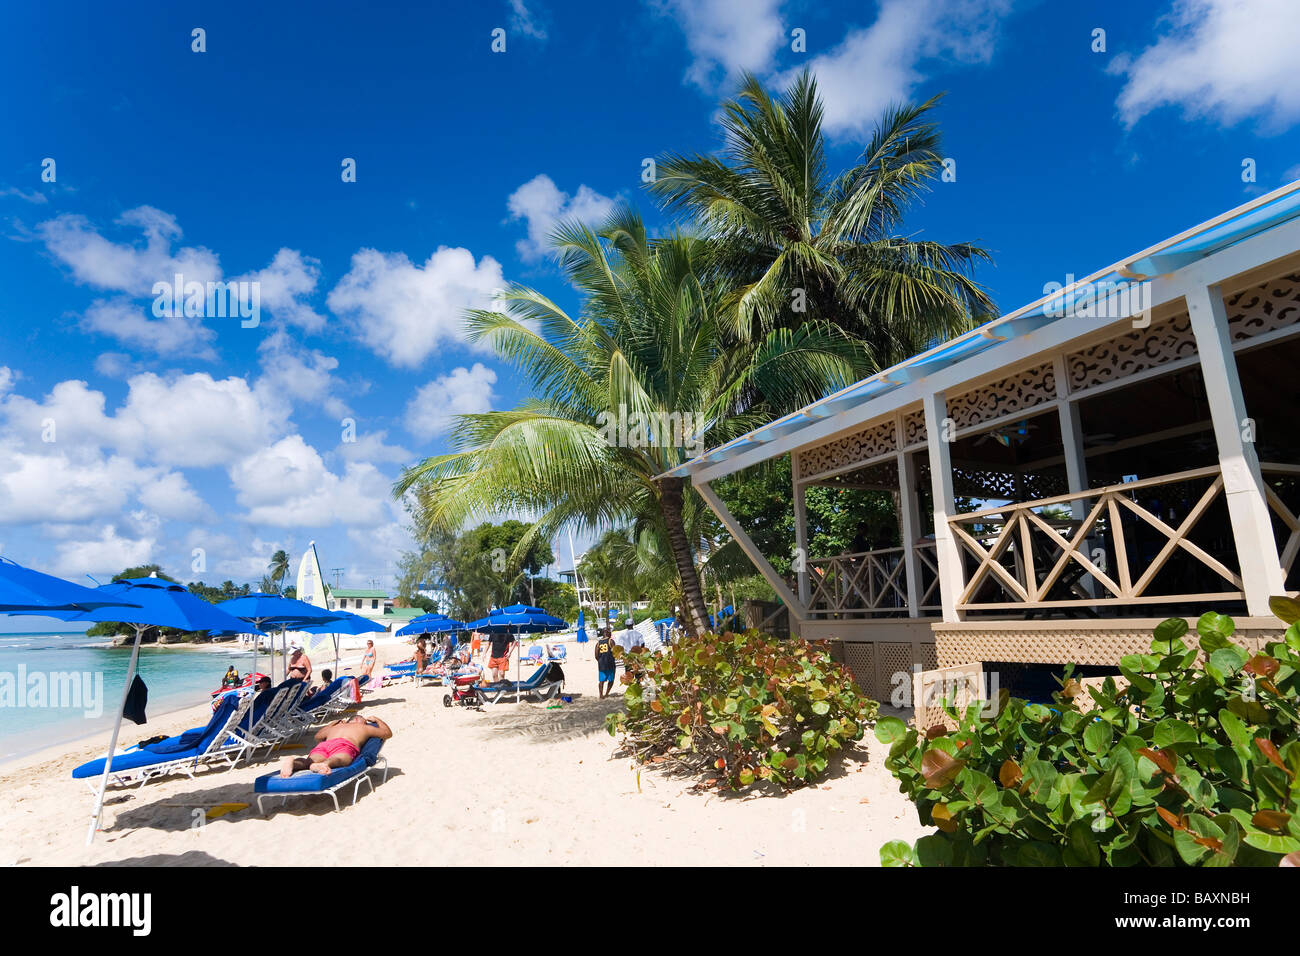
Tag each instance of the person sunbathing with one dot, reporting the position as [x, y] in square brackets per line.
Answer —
[337, 745]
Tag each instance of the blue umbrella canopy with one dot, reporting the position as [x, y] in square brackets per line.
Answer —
[156, 602]
[582, 630]
[277, 610]
[431, 624]
[518, 619]
[23, 590]
[351, 624]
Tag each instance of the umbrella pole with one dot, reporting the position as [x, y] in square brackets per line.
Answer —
[112, 744]
[336, 655]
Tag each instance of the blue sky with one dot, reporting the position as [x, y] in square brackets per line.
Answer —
[128, 437]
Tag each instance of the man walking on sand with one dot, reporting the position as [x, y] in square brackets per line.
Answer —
[337, 745]
[605, 663]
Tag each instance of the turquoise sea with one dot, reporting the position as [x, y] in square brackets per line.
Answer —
[56, 688]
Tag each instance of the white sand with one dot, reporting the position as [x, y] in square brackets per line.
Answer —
[513, 785]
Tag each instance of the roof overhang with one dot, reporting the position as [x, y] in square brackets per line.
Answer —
[1096, 297]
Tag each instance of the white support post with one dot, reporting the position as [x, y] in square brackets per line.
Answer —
[797, 607]
[910, 517]
[800, 532]
[951, 579]
[1076, 464]
[1243, 485]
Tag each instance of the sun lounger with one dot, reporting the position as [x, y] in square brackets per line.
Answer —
[308, 783]
[540, 682]
[184, 753]
[558, 652]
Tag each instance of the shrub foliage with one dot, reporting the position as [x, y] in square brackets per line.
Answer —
[1192, 759]
[747, 706]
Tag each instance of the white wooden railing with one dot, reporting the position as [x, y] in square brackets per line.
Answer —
[872, 583]
[1019, 556]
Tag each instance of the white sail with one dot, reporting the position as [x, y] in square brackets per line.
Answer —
[311, 584]
[311, 590]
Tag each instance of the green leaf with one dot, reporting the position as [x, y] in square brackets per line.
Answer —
[1097, 737]
[1236, 730]
[897, 853]
[1211, 623]
[890, 729]
[1170, 731]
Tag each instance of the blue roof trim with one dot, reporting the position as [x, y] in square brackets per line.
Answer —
[1016, 324]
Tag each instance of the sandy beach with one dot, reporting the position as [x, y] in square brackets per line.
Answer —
[513, 785]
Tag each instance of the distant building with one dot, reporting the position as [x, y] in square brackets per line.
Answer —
[368, 602]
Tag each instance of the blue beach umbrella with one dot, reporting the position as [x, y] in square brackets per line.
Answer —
[582, 630]
[281, 613]
[144, 603]
[518, 619]
[24, 591]
[431, 624]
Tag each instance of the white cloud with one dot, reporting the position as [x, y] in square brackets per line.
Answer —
[7, 377]
[283, 283]
[197, 420]
[287, 485]
[293, 372]
[132, 325]
[183, 420]
[372, 446]
[103, 555]
[542, 206]
[67, 486]
[404, 312]
[1220, 59]
[881, 65]
[461, 391]
[123, 267]
[523, 21]
[727, 37]
[35, 197]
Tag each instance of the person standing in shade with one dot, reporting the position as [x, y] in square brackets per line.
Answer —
[499, 647]
[605, 662]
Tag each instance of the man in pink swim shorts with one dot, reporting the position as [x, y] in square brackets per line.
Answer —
[337, 745]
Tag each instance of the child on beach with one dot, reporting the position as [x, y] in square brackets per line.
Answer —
[605, 663]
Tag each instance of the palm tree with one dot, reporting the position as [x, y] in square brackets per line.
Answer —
[648, 349]
[795, 243]
[279, 568]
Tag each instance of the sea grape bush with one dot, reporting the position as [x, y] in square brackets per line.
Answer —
[1192, 759]
[744, 707]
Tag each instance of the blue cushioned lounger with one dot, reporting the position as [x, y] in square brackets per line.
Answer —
[306, 782]
[538, 682]
[183, 753]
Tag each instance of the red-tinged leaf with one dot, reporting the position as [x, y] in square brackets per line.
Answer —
[1009, 774]
[1160, 758]
[939, 769]
[1211, 842]
[1178, 823]
[1271, 820]
[943, 818]
[1262, 666]
[938, 730]
[1268, 750]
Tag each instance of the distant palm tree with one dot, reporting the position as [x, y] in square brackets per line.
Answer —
[279, 568]
[795, 243]
[649, 343]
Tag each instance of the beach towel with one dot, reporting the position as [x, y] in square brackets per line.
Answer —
[356, 690]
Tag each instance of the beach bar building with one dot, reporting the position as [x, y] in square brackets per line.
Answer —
[1123, 450]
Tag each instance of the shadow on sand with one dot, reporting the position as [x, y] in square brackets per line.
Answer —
[586, 715]
[183, 811]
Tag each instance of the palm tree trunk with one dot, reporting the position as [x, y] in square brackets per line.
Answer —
[670, 503]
